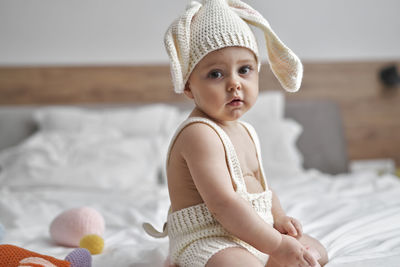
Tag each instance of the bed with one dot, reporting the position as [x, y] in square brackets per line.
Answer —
[110, 157]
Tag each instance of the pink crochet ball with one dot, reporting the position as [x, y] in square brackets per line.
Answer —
[69, 227]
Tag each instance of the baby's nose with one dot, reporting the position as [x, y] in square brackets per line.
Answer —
[234, 85]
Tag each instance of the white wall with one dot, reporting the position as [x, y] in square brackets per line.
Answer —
[131, 31]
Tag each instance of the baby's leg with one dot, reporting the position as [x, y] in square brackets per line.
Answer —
[233, 256]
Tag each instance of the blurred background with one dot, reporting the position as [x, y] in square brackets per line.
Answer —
[56, 32]
[97, 51]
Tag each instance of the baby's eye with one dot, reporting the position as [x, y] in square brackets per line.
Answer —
[245, 69]
[215, 74]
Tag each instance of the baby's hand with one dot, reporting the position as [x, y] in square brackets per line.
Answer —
[288, 226]
[291, 253]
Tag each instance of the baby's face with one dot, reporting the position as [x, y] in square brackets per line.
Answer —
[224, 84]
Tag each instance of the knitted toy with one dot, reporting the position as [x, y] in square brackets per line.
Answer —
[79, 227]
[12, 256]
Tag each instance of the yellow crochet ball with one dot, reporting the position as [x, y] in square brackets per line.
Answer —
[93, 243]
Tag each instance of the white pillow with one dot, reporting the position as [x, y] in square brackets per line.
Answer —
[149, 119]
[278, 144]
[108, 148]
[105, 160]
[278, 136]
[270, 105]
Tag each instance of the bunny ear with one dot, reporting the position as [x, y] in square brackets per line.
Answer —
[283, 62]
[177, 44]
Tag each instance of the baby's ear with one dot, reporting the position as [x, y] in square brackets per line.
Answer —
[187, 91]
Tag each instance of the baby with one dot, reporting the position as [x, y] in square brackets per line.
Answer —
[222, 211]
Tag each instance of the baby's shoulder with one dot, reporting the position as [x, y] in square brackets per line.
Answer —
[198, 137]
[199, 141]
[198, 132]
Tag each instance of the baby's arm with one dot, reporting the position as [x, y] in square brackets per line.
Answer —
[283, 223]
[205, 156]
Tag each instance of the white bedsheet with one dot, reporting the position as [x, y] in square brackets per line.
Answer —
[356, 216]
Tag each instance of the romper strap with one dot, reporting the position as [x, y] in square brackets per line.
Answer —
[233, 162]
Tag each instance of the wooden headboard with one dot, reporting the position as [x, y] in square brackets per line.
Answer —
[371, 113]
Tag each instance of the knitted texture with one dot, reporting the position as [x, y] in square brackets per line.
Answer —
[71, 225]
[215, 24]
[195, 235]
[79, 257]
[12, 256]
[93, 243]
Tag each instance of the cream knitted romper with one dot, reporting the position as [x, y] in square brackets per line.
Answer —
[194, 234]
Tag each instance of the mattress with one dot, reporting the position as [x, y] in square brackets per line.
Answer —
[355, 216]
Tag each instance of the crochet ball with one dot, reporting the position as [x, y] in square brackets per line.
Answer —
[93, 243]
[70, 226]
[79, 257]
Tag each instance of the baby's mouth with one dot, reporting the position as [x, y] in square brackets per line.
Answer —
[236, 102]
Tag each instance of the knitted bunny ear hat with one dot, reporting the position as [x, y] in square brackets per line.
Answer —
[215, 24]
